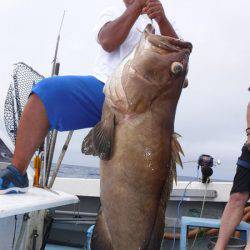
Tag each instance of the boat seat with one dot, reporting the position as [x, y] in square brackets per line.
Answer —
[207, 223]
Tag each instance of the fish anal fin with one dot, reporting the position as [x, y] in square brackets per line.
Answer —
[174, 173]
[177, 144]
[176, 151]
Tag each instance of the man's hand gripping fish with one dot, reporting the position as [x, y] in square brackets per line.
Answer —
[136, 143]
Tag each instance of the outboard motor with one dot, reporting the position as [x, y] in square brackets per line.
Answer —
[206, 162]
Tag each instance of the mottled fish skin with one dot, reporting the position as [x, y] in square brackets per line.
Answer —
[136, 142]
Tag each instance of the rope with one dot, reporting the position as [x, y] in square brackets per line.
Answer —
[21, 233]
[14, 236]
[202, 210]
[179, 205]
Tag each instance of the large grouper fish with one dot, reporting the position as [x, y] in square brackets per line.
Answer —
[136, 143]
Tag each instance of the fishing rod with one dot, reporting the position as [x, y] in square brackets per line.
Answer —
[59, 162]
[51, 149]
[49, 146]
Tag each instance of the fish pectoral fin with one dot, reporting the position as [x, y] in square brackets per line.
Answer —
[99, 141]
[103, 137]
[87, 144]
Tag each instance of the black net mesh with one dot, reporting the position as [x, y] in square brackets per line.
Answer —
[24, 78]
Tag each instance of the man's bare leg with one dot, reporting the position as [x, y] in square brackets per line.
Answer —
[231, 218]
[33, 128]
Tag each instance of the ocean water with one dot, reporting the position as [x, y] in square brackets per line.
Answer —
[76, 171]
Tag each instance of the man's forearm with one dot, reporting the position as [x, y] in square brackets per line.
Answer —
[167, 29]
[113, 34]
[155, 10]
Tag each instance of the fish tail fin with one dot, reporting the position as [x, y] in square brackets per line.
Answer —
[175, 155]
[101, 238]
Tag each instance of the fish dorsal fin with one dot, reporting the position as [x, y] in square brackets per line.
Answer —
[176, 150]
[99, 141]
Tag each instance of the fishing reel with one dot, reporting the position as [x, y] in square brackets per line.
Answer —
[206, 163]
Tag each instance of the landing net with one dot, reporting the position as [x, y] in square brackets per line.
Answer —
[23, 79]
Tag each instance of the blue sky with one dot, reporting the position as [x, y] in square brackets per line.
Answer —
[211, 112]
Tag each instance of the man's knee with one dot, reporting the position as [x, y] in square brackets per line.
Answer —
[34, 98]
[35, 103]
[238, 199]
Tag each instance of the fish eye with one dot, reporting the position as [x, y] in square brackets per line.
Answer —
[176, 68]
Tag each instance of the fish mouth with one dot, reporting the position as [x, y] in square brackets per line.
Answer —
[169, 43]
